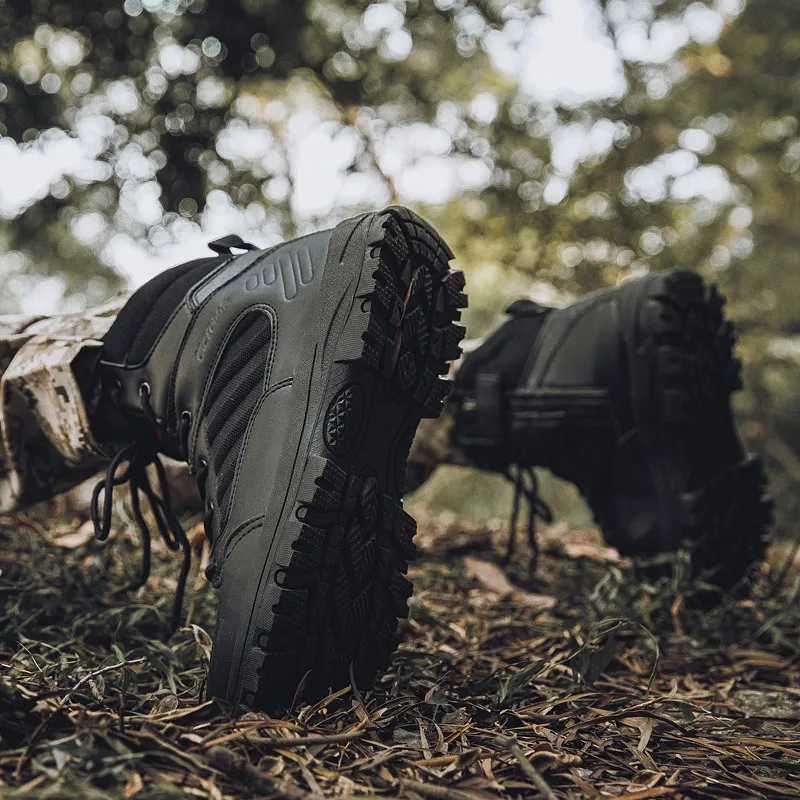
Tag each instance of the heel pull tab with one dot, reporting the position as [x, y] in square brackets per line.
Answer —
[525, 307]
[227, 244]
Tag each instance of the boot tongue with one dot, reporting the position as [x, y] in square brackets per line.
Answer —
[128, 344]
[506, 352]
[484, 381]
[112, 429]
[144, 317]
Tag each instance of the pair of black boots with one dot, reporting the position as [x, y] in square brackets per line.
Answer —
[292, 381]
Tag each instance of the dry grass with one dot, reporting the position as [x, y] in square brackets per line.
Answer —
[585, 682]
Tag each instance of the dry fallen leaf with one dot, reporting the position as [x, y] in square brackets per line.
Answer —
[545, 755]
[69, 541]
[646, 779]
[203, 641]
[541, 601]
[593, 551]
[646, 794]
[645, 727]
[134, 785]
[490, 575]
[495, 580]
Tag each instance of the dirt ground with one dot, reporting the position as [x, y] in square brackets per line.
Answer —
[583, 681]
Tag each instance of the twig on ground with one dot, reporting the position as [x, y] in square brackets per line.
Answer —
[307, 741]
[438, 792]
[536, 778]
[239, 768]
[96, 673]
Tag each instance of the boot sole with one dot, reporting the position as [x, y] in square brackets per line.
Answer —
[711, 493]
[330, 597]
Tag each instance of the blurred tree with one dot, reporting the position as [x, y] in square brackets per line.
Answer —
[696, 164]
[694, 161]
[741, 92]
[155, 87]
[151, 89]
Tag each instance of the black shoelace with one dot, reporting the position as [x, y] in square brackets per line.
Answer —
[136, 457]
[526, 486]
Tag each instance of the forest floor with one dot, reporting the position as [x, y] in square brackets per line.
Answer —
[584, 681]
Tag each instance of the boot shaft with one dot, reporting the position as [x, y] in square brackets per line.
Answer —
[195, 340]
[292, 381]
[546, 390]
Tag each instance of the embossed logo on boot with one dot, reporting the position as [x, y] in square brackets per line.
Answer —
[343, 419]
[205, 341]
[294, 269]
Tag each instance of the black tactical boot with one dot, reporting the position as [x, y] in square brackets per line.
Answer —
[292, 380]
[625, 393]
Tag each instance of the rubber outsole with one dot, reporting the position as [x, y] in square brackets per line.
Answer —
[340, 586]
[715, 503]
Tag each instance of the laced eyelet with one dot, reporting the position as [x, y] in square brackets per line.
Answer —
[184, 431]
[145, 393]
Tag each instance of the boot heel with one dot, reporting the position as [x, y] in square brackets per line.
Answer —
[338, 586]
[410, 303]
[725, 512]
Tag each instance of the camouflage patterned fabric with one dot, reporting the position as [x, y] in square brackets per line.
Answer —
[47, 445]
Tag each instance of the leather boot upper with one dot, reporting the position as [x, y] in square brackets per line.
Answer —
[194, 358]
[543, 389]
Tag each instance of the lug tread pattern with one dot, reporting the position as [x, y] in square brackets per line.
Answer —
[410, 332]
[342, 578]
[726, 517]
[343, 419]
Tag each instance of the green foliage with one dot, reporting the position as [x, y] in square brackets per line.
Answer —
[155, 85]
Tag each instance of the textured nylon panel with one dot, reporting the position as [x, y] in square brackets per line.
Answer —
[147, 312]
[506, 351]
[248, 336]
[235, 389]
